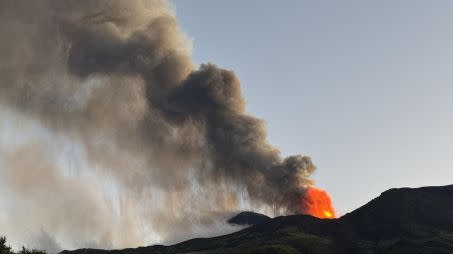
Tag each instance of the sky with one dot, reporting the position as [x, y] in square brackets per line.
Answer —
[363, 87]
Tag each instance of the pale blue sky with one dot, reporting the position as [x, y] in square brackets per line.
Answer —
[363, 87]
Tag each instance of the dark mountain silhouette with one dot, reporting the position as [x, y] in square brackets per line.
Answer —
[248, 218]
[398, 221]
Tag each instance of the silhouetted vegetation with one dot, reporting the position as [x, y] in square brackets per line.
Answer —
[6, 249]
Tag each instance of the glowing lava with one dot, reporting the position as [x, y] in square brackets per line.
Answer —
[317, 203]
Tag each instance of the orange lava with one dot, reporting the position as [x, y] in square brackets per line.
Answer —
[317, 203]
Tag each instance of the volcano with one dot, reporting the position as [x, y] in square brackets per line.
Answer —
[398, 221]
[248, 218]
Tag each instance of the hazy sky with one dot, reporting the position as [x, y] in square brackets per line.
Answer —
[363, 87]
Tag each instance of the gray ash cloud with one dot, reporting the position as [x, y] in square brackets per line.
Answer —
[117, 77]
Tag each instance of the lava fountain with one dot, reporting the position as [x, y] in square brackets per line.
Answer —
[317, 203]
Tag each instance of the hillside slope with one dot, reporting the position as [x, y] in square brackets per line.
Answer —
[398, 221]
[248, 219]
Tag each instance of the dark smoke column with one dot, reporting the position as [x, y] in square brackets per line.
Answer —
[236, 142]
[193, 116]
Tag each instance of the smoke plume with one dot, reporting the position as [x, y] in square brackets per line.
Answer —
[122, 140]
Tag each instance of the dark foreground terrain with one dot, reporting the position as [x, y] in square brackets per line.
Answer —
[398, 221]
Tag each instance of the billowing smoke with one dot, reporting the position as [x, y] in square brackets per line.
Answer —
[123, 141]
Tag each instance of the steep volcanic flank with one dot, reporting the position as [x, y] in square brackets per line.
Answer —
[399, 221]
[397, 208]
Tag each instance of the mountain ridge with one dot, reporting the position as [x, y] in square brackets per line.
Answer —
[400, 220]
